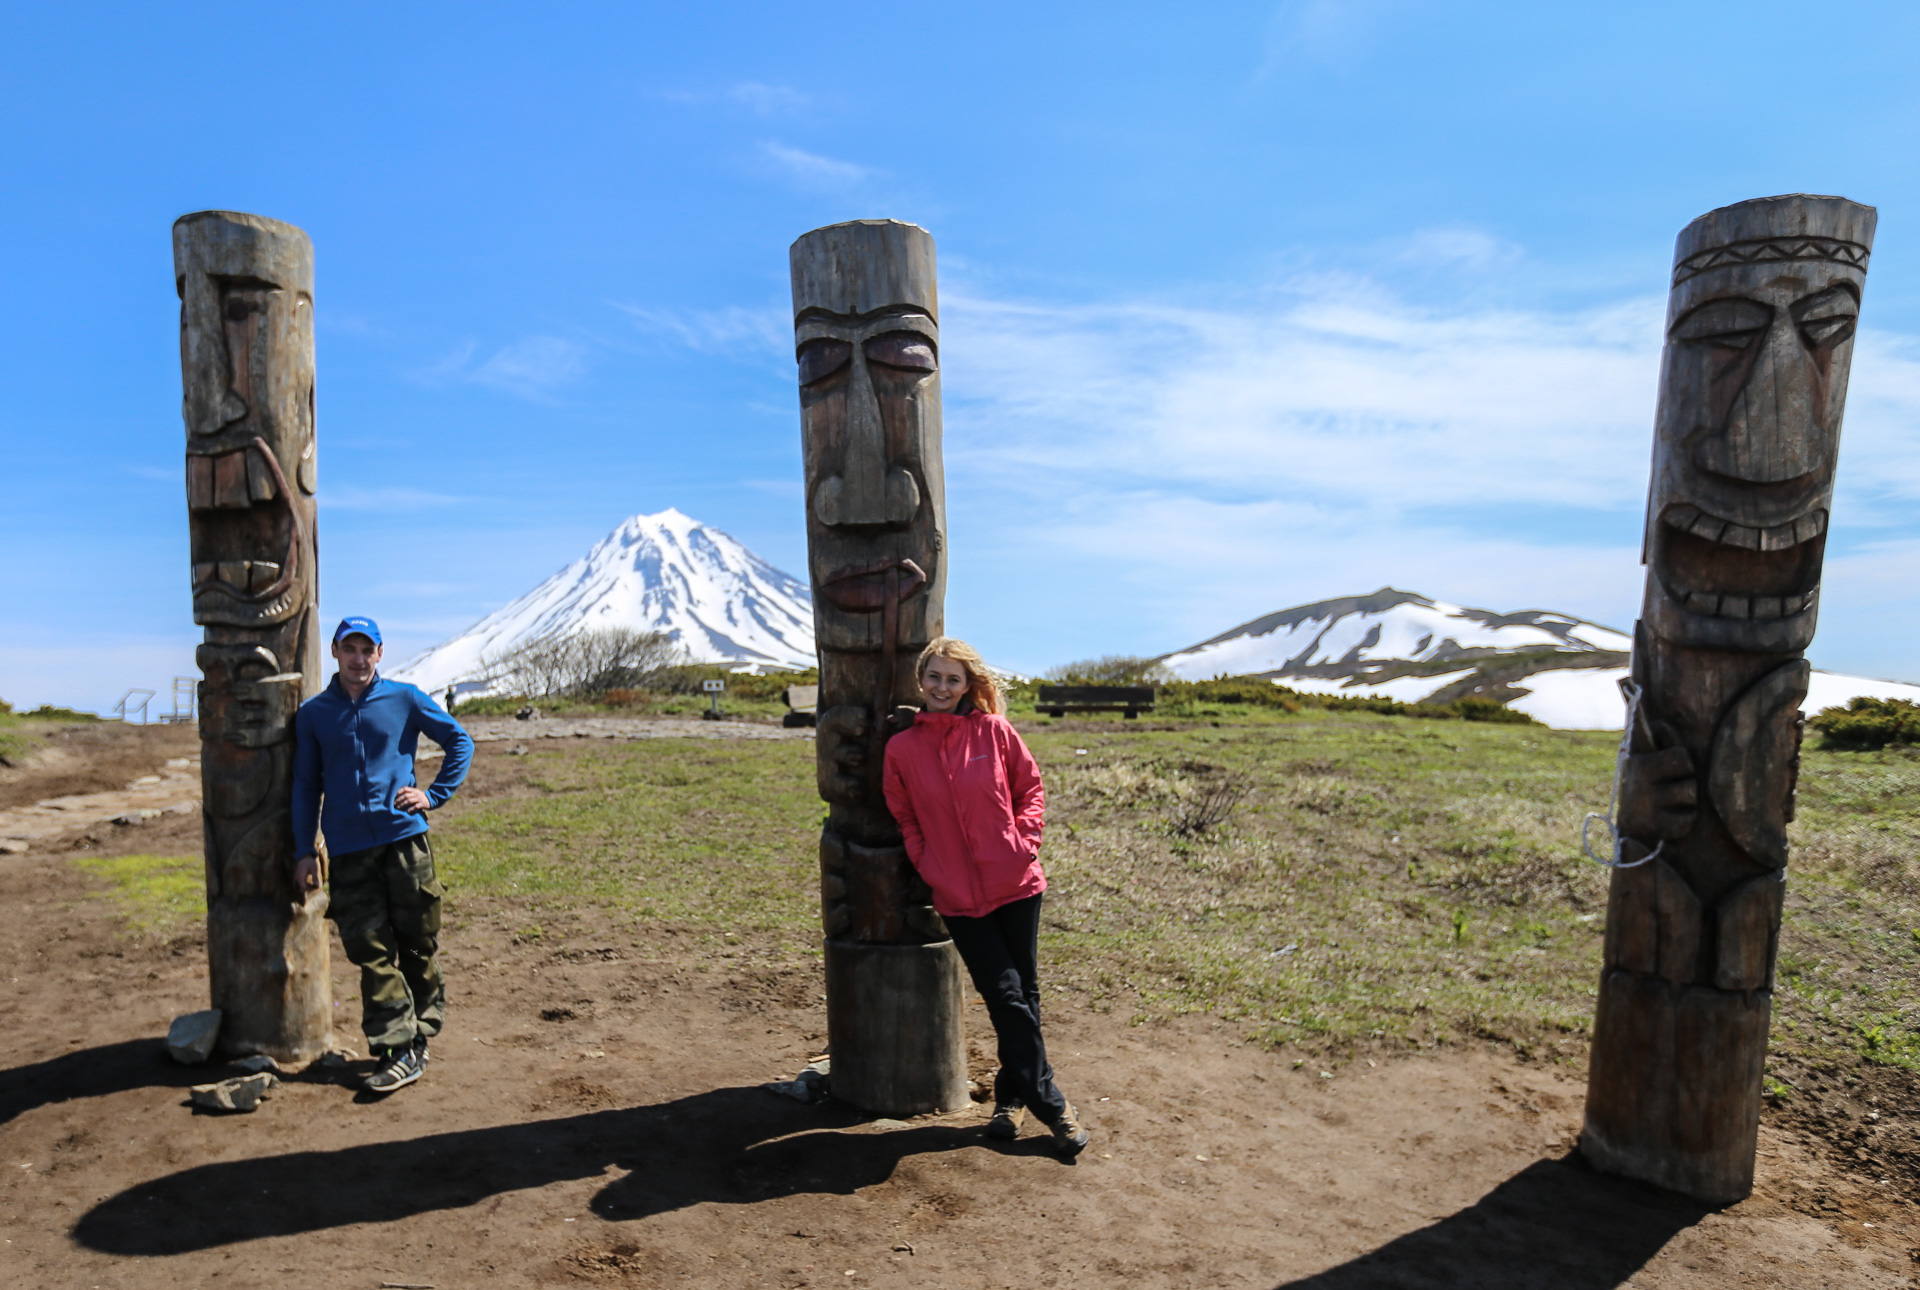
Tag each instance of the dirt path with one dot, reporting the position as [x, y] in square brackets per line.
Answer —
[592, 1117]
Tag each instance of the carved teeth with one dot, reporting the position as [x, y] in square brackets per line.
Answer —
[1757, 608]
[1691, 519]
[259, 478]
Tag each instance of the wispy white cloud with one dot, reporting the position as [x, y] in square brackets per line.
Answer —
[1137, 475]
[1327, 392]
[1321, 31]
[757, 97]
[811, 170]
[751, 335]
[768, 100]
[533, 367]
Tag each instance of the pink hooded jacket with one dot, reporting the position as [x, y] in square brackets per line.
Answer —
[967, 796]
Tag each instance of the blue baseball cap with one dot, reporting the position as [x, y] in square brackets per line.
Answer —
[364, 626]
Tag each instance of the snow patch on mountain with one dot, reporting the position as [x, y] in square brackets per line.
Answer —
[1340, 638]
[666, 573]
[1386, 645]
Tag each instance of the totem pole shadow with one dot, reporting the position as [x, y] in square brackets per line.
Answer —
[1555, 1225]
[728, 1146]
[92, 1072]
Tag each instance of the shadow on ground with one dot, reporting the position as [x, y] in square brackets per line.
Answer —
[1555, 1225]
[94, 1072]
[728, 1146]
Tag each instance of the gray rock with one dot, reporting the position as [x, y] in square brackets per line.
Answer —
[190, 1037]
[809, 1086]
[258, 1062]
[241, 1093]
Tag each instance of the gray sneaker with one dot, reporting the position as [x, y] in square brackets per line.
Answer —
[1008, 1116]
[420, 1050]
[1069, 1138]
[399, 1067]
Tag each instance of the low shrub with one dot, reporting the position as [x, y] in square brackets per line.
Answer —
[1865, 724]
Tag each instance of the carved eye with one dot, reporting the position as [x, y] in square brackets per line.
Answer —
[1728, 324]
[909, 351]
[820, 359]
[1828, 318]
[236, 311]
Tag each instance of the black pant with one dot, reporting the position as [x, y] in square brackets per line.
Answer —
[1001, 950]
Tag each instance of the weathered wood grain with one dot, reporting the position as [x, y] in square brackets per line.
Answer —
[247, 367]
[867, 342]
[1753, 385]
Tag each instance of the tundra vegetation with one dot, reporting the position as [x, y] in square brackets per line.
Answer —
[1335, 882]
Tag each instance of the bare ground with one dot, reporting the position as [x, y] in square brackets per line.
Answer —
[592, 1117]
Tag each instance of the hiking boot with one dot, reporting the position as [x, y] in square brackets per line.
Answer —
[1008, 1116]
[399, 1067]
[1069, 1138]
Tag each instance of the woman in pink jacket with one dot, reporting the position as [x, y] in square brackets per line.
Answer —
[967, 795]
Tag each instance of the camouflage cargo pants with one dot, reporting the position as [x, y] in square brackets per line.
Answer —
[386, 903]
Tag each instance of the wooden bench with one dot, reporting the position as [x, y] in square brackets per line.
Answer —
[802, 700]
[1058, 700]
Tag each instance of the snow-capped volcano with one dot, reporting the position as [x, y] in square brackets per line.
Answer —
[664, 573]
[1355, 636]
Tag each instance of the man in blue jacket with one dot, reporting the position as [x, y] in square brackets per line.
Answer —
[353, 777]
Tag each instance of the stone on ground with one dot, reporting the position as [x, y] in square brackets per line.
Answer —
[190, 1038]
[241, 1093]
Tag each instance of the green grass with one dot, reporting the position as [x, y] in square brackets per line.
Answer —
[157, 895]
[1384, 881]
[695, 832]
[20, 732]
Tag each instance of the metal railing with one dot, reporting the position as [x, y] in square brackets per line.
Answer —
[131, 702]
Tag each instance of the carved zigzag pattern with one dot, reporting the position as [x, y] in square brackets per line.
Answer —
[1768, 250]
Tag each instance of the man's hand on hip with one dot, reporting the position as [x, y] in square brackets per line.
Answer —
[412, 799]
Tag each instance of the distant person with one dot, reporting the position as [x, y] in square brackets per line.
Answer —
[353, 777]
[449, 703]
[967, 795]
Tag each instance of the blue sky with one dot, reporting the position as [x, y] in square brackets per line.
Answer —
[1244, 304]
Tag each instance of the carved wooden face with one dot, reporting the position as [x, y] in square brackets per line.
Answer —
[246, 349]
[246, 699]
[1753, 384]
[870, 429]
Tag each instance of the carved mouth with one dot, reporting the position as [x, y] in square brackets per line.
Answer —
[865, 588]
[1709, 605]
[241, 503]
[1778, 537]
[1716, 568]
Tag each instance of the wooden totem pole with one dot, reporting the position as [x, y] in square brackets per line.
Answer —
[1753, 381]
[868, 343]
[246, 359]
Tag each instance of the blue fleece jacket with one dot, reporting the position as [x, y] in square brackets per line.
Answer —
[357, 753]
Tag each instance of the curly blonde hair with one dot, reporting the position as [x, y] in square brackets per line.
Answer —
[981, 687]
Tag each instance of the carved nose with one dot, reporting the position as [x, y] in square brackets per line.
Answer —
[869, 489]
[1774, 429]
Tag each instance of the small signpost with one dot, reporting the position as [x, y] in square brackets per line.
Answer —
[713, 689]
